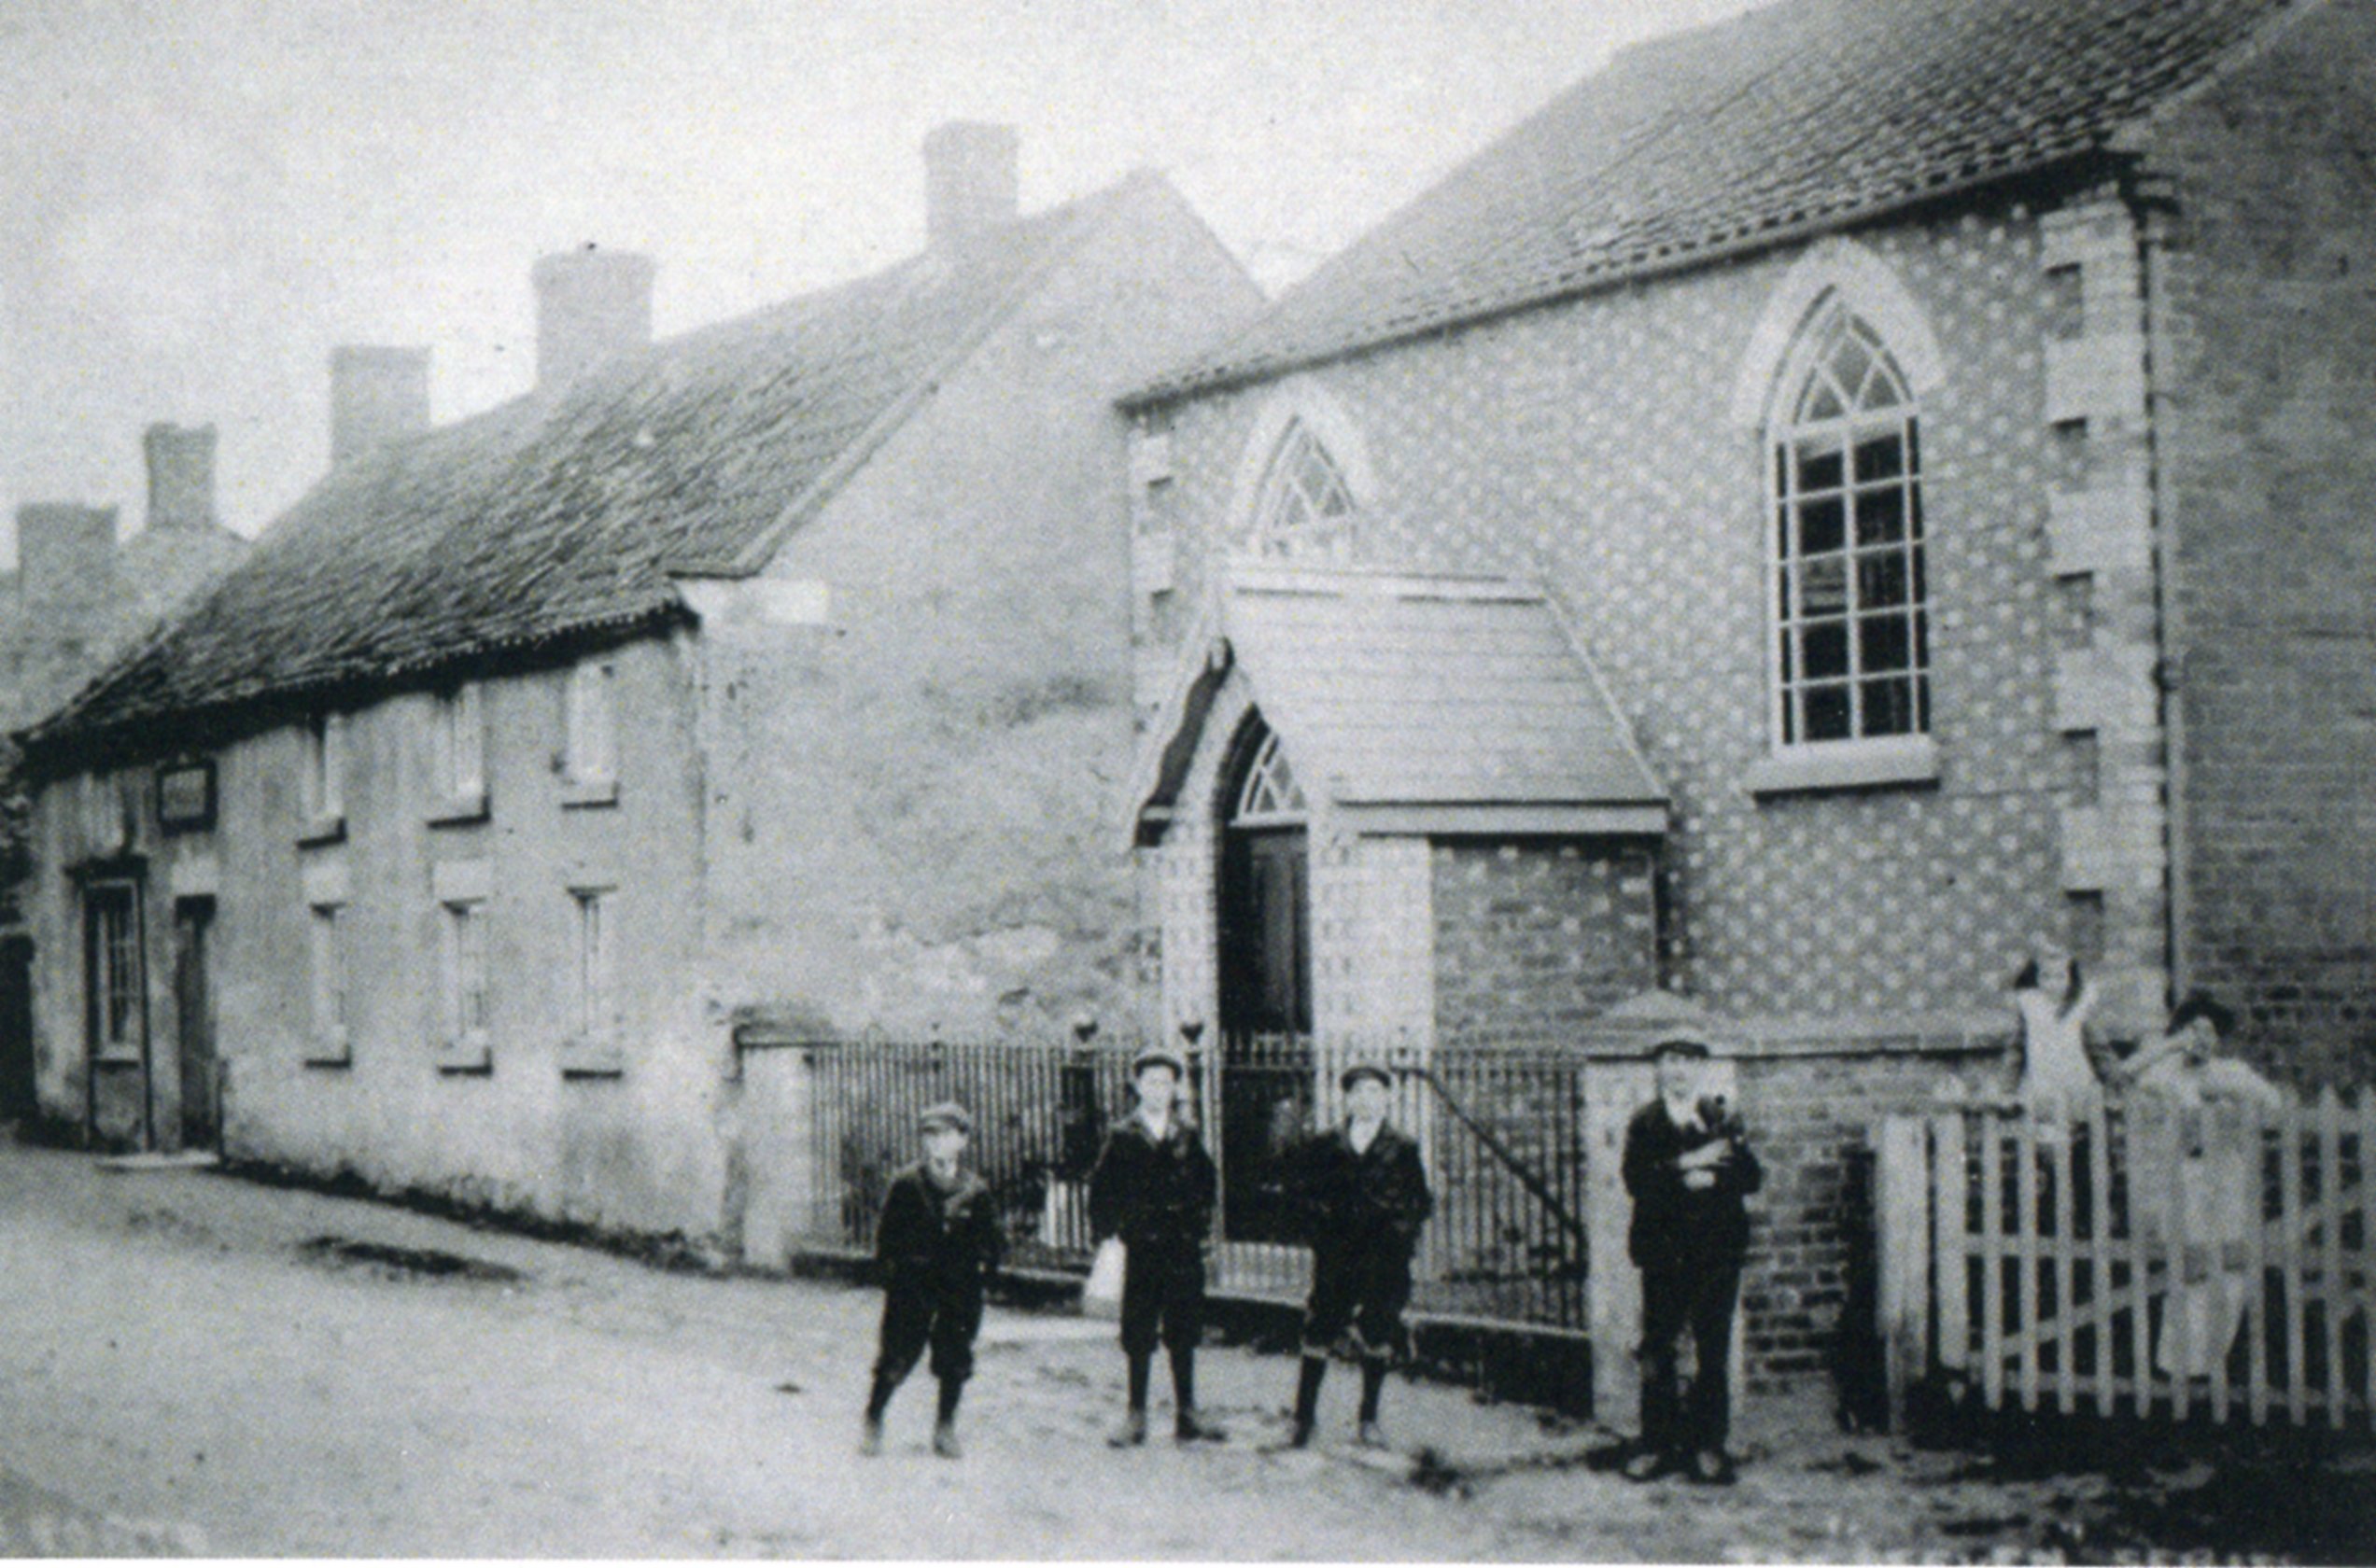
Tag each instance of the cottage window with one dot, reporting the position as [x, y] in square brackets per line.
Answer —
[462, 973]
[326, 934]
[592, 726]
[325, 771]
[460, 744]
[1851, 648]
[595, 1010]
[1305, 509]
[106, 822]
[111, 937]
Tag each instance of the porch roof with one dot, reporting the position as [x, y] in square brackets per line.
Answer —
[1413, 705]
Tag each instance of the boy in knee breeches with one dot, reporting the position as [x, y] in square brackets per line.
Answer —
[1155, 1187]
[1361, 1193]
[937, 1242]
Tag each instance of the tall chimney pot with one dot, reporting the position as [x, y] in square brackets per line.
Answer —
[181, 476]
[591, 306]
[969, 179]
[377, 395]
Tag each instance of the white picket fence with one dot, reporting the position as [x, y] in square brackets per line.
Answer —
[2132, 1259]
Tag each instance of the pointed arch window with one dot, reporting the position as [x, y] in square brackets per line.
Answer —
[1851, 602]
[1271, 793]
[1305, 509]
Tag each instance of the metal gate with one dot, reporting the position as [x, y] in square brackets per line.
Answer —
[1502, 1131]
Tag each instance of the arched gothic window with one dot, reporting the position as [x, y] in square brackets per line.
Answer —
[1852, 655]
[1305, 509]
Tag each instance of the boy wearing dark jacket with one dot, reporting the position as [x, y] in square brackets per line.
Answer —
[1155, 1187]
[937, 1241]
[1361, 1193]
[1688, 1166]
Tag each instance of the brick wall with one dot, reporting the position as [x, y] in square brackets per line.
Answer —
[2264, 305]
[1807, 1298]
[1533, 938]
[1594, 446]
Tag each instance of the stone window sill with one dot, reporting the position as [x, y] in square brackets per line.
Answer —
[1848, 765]
[119, 1056]
[582, 1058]
[459, 811]
[471, 1054]
[336, 1049]
[590, 791]
[331, 829]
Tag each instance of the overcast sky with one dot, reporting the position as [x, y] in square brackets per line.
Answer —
[203, 197]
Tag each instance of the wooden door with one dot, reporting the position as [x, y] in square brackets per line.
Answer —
[194, 1023]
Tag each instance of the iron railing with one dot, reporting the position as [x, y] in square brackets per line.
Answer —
[1502, 1132]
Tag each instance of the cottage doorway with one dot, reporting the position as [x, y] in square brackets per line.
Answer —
[17, 1091]
[194, 1024]
[1265, 974]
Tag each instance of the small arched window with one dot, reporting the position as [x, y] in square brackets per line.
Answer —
[1852, 657]
[1270, 794]
[1305, 509]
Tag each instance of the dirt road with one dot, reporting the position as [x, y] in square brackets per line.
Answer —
[194, 1364]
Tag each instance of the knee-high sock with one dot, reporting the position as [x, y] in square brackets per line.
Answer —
[1182, 1376]
[1373, 1383]
[951, 1390]
[1307, 1388]
[1140, 1364]
[879, 1399]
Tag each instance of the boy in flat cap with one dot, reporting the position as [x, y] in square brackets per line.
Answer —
[937, 1239]
[1688, 1166]
[1155, 1186]
[1361, 1194]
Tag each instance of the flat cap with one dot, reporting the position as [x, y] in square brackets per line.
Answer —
[1680, 1045]
[1159, 1055]
[1361, 1070]
[948, 1114]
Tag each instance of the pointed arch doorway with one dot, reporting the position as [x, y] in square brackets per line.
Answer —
[1264, 959]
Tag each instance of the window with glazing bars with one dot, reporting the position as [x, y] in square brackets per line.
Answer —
[1304, 508]
[1851, 605]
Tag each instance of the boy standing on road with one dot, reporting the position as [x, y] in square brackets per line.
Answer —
[1155, 1187]
[937, 1239]
[1362, 1194]
[1688, 1166]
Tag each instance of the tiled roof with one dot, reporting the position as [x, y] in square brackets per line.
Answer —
[559, 517]
[1412, 691]
[1804, 116]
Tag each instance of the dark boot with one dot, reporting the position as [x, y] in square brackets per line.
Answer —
[1373, 1383]
[1187, 1426]
[870, 1435]
[945, 1421]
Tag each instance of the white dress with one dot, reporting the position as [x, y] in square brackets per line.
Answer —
[2055, 1069]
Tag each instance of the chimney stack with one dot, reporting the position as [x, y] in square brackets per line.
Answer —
[591, 306]
[377, 395]
[969, 179]
[65, 564]
[181, 476]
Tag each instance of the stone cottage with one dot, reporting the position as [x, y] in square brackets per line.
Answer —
[1828, 498]
[767, 667]
[78, 594]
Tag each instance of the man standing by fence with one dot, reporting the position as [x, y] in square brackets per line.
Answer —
[1688, 1166]
[1361, 1193]
[1155, 1187]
